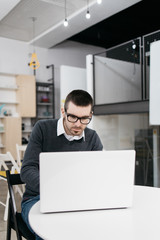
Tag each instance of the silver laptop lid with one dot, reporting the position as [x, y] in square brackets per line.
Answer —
[71, 181]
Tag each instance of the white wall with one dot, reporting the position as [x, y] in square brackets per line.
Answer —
[73, 53]
[154, 109]
[15, 56]
[71, 78]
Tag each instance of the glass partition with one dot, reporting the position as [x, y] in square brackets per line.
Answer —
[117, 74]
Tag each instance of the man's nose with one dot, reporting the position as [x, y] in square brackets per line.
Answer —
[78, 123]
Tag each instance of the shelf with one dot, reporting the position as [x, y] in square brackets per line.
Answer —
[45, 98]
[44, 91]
[8, 74]
[45, 104]
[45, 117]
[26, 131]
[44, 84]
[9, 103]
[2, 147]
[9, 88]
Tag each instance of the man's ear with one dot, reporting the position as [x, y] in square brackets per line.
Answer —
[63, 111]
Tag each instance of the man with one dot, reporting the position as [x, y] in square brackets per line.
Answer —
[69, 133]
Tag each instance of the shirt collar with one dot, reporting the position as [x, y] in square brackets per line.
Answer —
[60, 131]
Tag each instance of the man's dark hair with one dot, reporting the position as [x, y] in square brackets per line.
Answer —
[79, 98]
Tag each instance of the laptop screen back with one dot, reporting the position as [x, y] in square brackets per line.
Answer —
[73, 181]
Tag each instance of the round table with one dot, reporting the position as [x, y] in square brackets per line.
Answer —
[139, 222]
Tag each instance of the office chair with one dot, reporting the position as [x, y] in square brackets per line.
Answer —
[5, 159]
[15, 220]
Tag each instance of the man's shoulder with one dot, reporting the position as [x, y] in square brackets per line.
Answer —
[89, 131]
[92, 137]
[47, 122]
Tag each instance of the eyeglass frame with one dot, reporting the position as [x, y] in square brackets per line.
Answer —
[78, 118]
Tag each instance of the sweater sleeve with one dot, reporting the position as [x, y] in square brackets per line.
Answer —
[30, 166]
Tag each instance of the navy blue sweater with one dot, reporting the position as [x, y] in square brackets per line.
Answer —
[44, 139]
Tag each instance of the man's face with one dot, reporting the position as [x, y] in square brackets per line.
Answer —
[76, 129]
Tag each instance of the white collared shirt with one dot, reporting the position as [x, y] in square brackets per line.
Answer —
[60, 131]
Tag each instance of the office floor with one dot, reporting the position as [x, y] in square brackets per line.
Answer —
[3, 224]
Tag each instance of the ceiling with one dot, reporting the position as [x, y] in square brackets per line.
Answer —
[111, 23]
[138, 20]
[48, 30]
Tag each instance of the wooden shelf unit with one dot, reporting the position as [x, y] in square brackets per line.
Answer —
[12, 134]
[23, 104]
[26, 95]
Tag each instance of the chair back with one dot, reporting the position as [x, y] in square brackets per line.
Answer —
[15, 220]
[7, 157]
[20, 150]
[2, 173]
[2, 164]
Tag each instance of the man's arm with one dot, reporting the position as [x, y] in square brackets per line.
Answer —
[30, 166]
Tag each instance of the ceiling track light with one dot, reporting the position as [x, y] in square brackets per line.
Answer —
[88, 15]
[65, 13]
[65, 22]
[133, 45]
[99, 1]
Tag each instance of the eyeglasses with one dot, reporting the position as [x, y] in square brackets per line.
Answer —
[72, 118]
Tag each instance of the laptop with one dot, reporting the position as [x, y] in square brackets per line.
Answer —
[90, 180]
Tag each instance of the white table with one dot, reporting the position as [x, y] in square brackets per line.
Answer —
[141, 222]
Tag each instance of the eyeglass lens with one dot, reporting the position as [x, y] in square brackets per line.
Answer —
[73, 119]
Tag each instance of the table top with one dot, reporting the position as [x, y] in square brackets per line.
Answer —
[141, 221]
